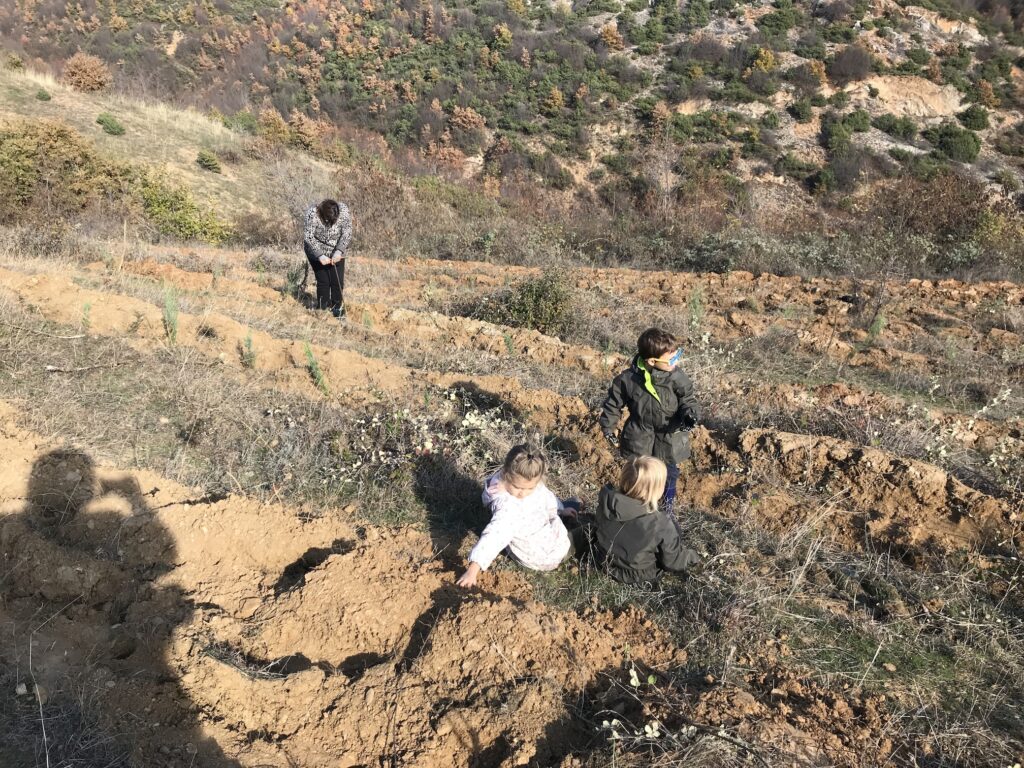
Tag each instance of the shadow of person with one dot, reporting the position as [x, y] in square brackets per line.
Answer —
[87, 626]
[454, 506]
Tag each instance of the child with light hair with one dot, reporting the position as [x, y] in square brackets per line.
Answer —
[526, 518]
[635, 541]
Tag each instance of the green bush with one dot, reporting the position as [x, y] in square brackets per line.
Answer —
[897, 127]
[208, 161]
[857, 121]
[110, 124]
[542, 303]
[46, 160]
[43, 95]
[781, 20]
[175, 213]
[955, 143]
[919, 56]
[801, 110]
[974, 118]
[836, 136]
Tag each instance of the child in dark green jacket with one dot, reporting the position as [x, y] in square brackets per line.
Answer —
[635, 541]
[662, 408]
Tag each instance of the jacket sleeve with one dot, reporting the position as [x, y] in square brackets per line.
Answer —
[496, 536]
[689, 407]
[672, 555]
[611, 409]
[309, 235]
[345, 223]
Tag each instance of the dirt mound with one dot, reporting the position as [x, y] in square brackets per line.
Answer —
[240, 635]
[869, 495]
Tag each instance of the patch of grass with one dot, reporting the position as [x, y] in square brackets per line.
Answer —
[43, 95]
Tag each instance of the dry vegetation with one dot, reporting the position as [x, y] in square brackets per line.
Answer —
[231, 526]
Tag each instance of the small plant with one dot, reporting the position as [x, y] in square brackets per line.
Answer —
[110, 124]
[43, 95]
[876, 327]
[208, 161]
[248, 352]
[315, 372]
[696, 306]
[86, 311]
[171, 315]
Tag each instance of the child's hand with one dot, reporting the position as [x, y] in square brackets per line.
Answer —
[468, 579]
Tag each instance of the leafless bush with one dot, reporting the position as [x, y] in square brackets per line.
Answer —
[851, 63]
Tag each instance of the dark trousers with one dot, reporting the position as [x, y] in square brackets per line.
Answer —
[330, 282]
[669, 499]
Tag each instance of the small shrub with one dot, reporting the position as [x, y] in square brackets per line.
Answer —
[919, 56]
[542, 303]
[43, 95]
[801, 110]
[170, 315]
[208, 161]
[974, 118]
[836, 136]
[14, 62]
[955, 143]
[248, 352]
[839, 99]
[85, 72]
[110, 124]
[858, 121]
[174, 212]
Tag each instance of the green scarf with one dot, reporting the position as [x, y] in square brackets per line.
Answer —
[648, 381]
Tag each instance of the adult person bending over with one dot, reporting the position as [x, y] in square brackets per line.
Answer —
[326, 236]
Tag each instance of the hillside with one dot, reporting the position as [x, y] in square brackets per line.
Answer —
[658, 130]
[230, 527]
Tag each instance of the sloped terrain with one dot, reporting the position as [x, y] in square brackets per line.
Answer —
[187, 582]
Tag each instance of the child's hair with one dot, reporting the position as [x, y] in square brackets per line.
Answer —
[643, 479]
[654, 342]
[524, 462]
[328, 211]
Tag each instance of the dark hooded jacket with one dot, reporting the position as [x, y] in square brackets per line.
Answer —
[659, 425]
[636, 543]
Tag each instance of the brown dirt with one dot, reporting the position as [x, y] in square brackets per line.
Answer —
[227, 632]
[175, 607]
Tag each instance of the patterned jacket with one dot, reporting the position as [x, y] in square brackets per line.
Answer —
[529, 527]
[321, 240]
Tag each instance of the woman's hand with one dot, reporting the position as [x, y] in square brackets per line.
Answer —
[325, 261]
[468, 579]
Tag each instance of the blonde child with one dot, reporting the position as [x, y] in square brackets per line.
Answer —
[525, 518]
[635, 541]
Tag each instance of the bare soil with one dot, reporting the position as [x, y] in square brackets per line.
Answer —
[216, 629]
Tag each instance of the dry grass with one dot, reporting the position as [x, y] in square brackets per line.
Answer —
[165, 138]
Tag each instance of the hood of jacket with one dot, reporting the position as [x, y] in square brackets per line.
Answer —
[618, 506]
